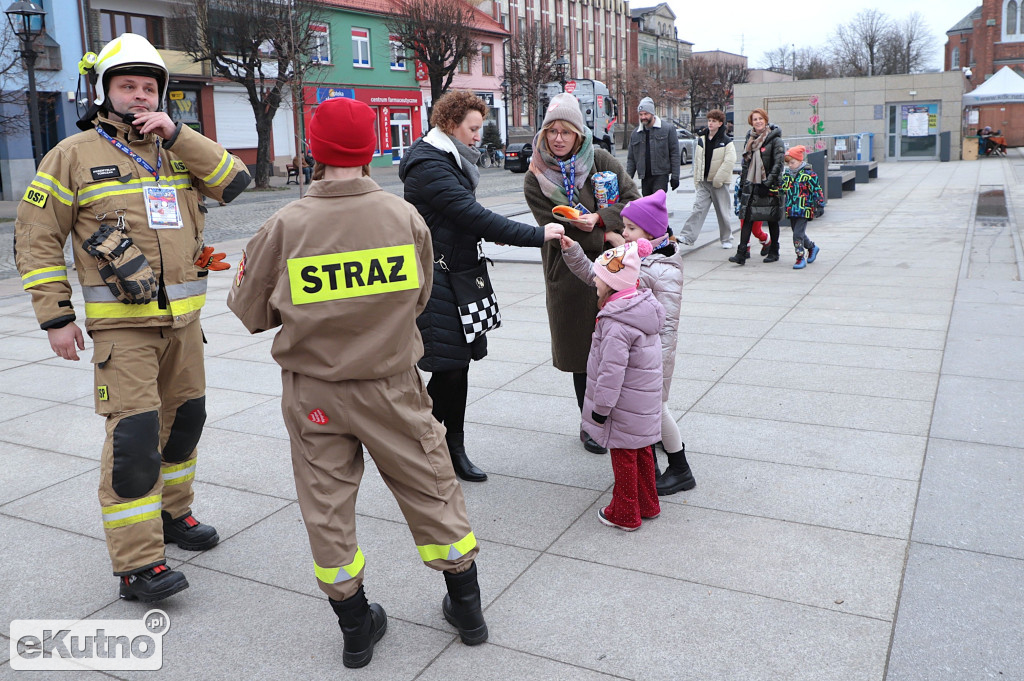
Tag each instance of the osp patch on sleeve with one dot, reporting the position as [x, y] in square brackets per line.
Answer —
[320, 278]
[36, 197]
[179, 166]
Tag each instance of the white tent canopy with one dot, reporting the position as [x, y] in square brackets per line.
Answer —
[1005, 87]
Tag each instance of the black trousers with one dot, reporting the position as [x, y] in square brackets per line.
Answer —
[773, 232]
[449, 391]
[653, 183]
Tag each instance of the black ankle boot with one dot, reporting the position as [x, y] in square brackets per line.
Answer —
[657, 469]
[461, 606]
[677, 477]
[362, 625]
[464, 468]
[742, 253]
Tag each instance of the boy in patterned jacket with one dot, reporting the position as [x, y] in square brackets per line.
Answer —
[803, 195]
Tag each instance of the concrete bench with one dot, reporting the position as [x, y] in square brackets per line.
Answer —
[865, 170]
[840, 181]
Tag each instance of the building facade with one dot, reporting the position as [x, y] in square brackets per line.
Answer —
[593, 32]
[990, 37]
[655, 47]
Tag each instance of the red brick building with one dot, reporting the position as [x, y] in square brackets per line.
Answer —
[987, 39]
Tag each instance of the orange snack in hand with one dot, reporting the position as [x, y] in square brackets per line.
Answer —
[567, 212]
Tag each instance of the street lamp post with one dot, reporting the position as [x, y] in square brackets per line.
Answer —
[504, 100]
[561, 68]
[28, 21]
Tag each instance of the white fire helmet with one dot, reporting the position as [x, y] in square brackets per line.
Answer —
[127, 54]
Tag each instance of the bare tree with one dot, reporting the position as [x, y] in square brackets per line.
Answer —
[264, 45]
[813, 62]
[857, 45]
[439, 33]
[529, 63]
[780, 59]
[908, 45]
[14, 116]
[699, 76]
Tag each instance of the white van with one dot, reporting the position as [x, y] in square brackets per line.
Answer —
[600, 110]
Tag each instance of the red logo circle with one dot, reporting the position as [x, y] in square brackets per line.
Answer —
[318, 416]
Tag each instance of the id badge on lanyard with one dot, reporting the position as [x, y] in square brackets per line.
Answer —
[162, 207]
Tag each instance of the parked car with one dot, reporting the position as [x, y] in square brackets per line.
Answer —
[686, 141]
[517, 157]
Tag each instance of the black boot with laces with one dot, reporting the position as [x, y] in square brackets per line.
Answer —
[152, 584]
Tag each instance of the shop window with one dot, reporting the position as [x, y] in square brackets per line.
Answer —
[487, 59]
[361, 48]
[397, 54]
[113, 24]
[320, 53]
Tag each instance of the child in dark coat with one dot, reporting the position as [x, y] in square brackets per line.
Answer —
[622, 404]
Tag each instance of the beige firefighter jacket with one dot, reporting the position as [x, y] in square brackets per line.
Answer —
[344, 272]
[85, 181]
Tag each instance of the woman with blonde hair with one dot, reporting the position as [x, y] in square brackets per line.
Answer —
[561, 174]
[441, 176]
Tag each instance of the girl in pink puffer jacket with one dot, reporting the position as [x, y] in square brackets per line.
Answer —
[622, 405]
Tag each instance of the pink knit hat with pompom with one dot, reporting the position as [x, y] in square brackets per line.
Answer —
[619, 267]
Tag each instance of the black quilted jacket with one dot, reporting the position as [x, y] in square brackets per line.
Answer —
[765, 201]
[443, 195]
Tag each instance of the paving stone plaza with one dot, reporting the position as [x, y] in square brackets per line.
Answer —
[854, 427]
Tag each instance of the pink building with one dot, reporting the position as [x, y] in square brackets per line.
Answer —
[482, 75]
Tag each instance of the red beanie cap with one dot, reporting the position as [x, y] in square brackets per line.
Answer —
[342, 133]
[796, 152]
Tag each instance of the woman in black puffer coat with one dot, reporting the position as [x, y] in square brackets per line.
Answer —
[760, 175]
[440, 176]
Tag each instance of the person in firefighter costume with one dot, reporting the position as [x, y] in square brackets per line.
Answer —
[344, 272]
[126, 191]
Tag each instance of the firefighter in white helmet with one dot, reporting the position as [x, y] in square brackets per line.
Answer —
[126, 191]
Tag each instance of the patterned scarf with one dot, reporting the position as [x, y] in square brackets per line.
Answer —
[551, 177]
[755, 170]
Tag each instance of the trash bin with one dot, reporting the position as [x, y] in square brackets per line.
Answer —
[944, 142]
[970, 149]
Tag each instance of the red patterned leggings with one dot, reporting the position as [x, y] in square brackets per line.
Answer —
[635, 495]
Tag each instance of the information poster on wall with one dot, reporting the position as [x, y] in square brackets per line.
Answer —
[917, 124]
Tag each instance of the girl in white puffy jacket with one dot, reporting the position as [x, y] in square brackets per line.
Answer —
[661, 271]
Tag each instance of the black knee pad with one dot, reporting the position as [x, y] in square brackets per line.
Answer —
[136, 454]
[186, 430]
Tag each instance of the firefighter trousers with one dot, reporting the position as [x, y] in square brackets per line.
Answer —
[150, 384]
[328, 423]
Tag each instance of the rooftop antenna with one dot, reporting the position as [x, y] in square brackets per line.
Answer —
[742, 43]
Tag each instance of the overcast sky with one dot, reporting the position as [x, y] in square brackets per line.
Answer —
[753, 27]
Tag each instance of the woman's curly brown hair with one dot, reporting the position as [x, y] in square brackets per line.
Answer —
[451, 109]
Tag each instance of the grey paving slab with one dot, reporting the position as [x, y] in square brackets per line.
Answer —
[515, 350]
[487, 504]
[6, 364]
[695, 342]
[544, 457]
[254, 352]
[247, 462]
[725, 326]
[987, 318]
[760, 436]
[262, 419]
[218, 344]
[940, 306]
[234, 374]
[818, 352]
[24, 348]
[81, 431]
[803, 494]
[515, 313]
[33, 589]
[714, 633]
[5, 654]
[497, 663]
[866, 290]
[543, 413]
[911, 417]
[970, 498]
[28, 470]
[241, 629]
[698, 367]
[984, 356]
[15, 406]
[48, 382]
[909, 385]
[959, 617]
[739, 304]
[979, 410]
[684, 393]
[544, 379]
[843, 317]
[494, 373]
[222, 403]
[806, 564]
[859, 335]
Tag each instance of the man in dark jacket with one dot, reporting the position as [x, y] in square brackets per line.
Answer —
[653, 152]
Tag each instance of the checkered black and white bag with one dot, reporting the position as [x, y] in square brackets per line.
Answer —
[478, 306]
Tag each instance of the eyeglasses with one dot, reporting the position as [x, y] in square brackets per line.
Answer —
[564, 134]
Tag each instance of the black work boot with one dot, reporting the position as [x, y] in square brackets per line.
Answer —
[464, 468]
[188, 533]
[590, 444]
[461, 606]
[742, 253]
[152, 584]
[362, 625]
[677, 477]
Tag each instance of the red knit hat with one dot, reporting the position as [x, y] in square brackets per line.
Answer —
[341, 133]
[796, 152]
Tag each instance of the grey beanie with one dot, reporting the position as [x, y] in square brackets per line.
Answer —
[565, 107]
[646, 104]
